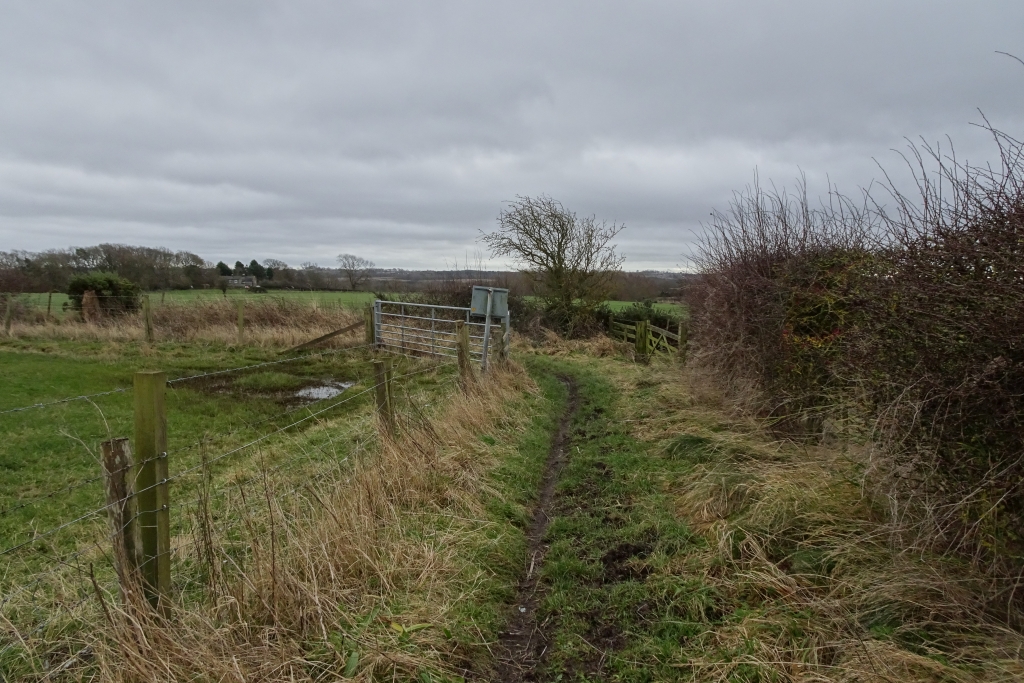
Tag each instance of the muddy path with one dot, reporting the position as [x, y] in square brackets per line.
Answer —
[523, 643]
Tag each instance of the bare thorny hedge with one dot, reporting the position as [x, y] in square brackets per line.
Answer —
[898, 321]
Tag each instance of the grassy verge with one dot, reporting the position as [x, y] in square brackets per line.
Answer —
[396, 560]
[689, 545]
[686, 545]
[395, 569]
[51, 477]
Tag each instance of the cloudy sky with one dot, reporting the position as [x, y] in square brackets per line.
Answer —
[298, 130]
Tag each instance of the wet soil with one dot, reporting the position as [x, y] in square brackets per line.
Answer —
[522, 644]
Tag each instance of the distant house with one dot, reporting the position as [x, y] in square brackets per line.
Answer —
[241, 281]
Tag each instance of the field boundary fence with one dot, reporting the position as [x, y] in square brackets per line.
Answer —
[34, 308]
[138, 541]
[649, 339]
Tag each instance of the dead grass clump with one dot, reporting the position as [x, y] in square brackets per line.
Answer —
[360, 580]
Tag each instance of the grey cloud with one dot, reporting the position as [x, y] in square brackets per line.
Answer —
[395, 130]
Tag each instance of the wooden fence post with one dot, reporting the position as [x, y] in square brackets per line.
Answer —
[643, 333]
[382, 380]
[49, 301]
[368, 315]
[121, 509]
[683, 341]
[9, 314]
[241, 321]
[462, 349]
[401, 329]
[147, 313]
[151, 487]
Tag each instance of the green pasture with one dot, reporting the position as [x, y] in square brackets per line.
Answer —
[661, 307]
[49, 452]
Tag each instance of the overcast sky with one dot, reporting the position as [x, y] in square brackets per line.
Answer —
[298, 130]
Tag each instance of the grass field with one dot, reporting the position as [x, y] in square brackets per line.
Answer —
[49, 454]
[685, 543]
[661, 307]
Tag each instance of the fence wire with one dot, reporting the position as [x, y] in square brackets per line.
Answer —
[202, 465]
[176, 380]
[47, 404]
[100, 543]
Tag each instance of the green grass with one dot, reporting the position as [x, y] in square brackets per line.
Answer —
[632, 592]
[667, 308]
[271, 380]
[498, 545]
[48, 449]
[615, 614]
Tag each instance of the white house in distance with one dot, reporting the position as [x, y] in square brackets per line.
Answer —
[241, 281]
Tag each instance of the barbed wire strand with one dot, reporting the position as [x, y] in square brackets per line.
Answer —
[170, 479]
[260, 365]
[71, 487]
[194, 468]
[46, 404]
[66, 561]
[64, 400]
[96, 544]
[26, 502]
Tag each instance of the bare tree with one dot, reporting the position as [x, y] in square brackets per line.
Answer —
[570, 259]
[355, 268]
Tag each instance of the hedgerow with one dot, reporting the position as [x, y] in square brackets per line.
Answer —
[902, 320]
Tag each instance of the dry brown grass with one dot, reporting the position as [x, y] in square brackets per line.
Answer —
[793, 542]
[549, 343]
[268, 323]
[382, 546]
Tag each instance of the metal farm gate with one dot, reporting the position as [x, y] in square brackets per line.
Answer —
[426, 329]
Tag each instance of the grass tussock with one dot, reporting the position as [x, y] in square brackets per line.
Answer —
[809, 583]
[360, 580]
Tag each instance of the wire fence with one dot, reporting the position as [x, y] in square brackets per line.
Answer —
[69, 399]
[38, 603]
[37, 308]
[186, 378]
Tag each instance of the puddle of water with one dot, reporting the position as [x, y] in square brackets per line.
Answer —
[322, 391]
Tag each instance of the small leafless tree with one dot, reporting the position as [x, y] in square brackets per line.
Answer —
[569, 258]
[355, 268]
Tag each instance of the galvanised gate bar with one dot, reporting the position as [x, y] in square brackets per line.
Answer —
[427, 329]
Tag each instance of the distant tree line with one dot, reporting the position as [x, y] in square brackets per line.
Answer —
[156, 268]
[148, 267]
